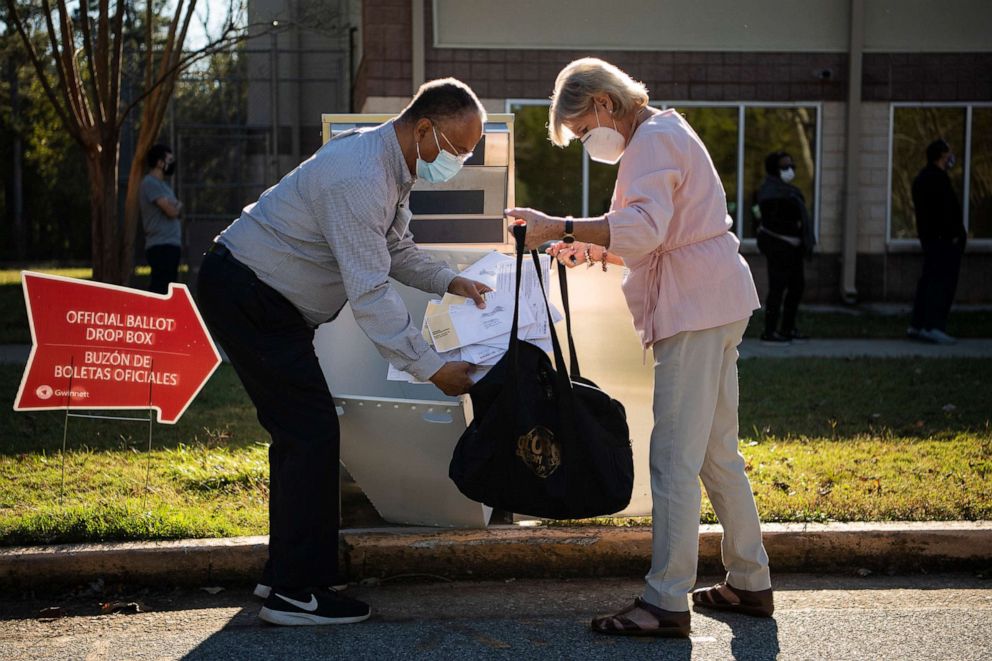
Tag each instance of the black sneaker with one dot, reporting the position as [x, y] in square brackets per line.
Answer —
[264, 587]
[795, 336]
[312, 607]
[775, 339]
[262, 591]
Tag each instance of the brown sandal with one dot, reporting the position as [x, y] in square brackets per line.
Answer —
[724, 596]
[669, 624]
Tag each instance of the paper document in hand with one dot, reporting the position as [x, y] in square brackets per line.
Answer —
[467, 324]
[530, 292]
[485, 270]
[488, 353]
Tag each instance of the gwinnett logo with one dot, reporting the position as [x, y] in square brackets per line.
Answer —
[44, 392]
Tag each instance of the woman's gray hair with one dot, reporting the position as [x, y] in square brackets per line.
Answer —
[581, 81]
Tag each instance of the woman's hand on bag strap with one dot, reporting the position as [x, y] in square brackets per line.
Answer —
[541, 227]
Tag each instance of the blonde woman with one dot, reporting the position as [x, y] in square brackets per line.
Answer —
[690, 294]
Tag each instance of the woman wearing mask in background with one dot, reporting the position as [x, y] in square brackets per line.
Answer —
[690, 294]
[785, 236]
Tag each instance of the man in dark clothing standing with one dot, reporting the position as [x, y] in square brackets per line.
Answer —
[940, 226]
[785, 237]
[332, 231]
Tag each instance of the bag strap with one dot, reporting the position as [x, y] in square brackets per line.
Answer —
[520, 233]
[563, 285]
[566, 404]
[566, 398]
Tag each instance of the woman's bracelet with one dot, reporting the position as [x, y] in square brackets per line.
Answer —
[606, 254]
[588, 256]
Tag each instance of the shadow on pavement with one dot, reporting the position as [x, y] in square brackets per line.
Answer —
[754, 638]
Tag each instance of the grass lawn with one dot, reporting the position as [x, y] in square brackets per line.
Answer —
[865, 440]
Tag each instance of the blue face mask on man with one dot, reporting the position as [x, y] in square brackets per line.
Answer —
[442, 168]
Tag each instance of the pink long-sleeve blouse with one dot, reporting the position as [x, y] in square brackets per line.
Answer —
[669, 223]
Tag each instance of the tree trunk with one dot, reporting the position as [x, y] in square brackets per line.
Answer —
[132, 208]
[105, 227]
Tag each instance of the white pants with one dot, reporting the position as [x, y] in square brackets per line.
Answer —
[695, 436]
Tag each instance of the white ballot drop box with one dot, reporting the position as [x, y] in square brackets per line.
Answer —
[397, 438]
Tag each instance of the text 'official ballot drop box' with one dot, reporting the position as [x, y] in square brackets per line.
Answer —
[397, 438]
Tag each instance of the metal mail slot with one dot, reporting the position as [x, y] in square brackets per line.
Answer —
[490, 181]
[458, 230]
[469, 208]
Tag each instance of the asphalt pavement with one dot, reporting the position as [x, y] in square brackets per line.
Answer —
[947, 616]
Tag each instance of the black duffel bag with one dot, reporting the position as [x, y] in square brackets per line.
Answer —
[541, 443]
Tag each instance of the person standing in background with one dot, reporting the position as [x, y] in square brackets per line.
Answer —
[940, 227]
[785, 237]
[160, 218]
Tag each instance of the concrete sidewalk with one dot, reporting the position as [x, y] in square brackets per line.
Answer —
[506, 552]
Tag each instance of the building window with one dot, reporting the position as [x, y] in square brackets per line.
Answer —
[737, 136]
[766, 130]
[968, 130]
[719, 127]
[548, 178]
[980, 174]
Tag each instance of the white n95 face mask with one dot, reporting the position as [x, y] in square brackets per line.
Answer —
[788, 174]
[604, 144]
[442, 168]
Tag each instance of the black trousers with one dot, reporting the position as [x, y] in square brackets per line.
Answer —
[786, 280]
[164, 260]
[270, 346]
[937, 284]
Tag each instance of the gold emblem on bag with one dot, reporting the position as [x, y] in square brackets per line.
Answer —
[539, 450]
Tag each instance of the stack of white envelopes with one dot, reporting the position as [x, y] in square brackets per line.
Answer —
[459, 330]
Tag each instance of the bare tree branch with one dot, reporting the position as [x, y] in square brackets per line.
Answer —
[226, 40]
[149, 43]
[72, 111]
[72, 70]
[116, 65]
[39, 68]
[95, 67]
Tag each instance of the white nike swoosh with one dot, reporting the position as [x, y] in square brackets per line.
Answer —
[311, 606]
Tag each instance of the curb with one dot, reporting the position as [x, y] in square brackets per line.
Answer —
[503, 552]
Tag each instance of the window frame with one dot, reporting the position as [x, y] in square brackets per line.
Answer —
[741, 106]
[913, 245]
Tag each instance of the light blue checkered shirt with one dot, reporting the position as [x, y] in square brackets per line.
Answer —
[333, 231]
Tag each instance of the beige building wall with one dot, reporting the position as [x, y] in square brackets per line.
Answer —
[874, 177]
[832, 135]
[712, 25]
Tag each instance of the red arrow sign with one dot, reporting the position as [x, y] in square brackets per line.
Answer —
[100, 346]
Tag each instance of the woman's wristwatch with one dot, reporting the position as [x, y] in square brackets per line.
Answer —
[569, 237]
